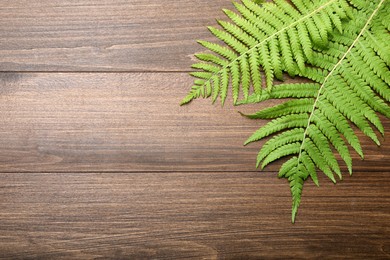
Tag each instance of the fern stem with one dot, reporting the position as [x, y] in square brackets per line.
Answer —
[272, 36]
[331, 73]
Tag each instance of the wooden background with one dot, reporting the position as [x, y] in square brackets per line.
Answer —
[98, 161]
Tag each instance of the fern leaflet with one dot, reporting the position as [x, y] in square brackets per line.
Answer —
[352, 86]
[264, 41]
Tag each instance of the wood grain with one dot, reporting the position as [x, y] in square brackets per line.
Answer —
[98, 161]
[104, 35]
[220, 215]
[128, 122]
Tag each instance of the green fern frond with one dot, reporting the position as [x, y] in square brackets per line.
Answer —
[352, 85]
[340, 45]
[263, 40]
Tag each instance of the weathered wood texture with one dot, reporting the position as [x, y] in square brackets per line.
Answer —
[103, 35]
[190, 215]
[128, 122]
[108, 166]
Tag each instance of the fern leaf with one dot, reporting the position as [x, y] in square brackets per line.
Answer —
[310, 166]
[245, 77]
[265, 59]
[280, 152]
[224, 85]
[318, 159]
[297, 48]
[276, 125]
[341, 46]
[280, 140]
[276, 63]
[208, 89]
[360, 87]
[216, 88]
[323, 146]
[290, 107]
[331, 133]
[272, 38]
[286, 169]
[255, 72]
[206, 67]
[296, 185]
[284, 91]
[338, 120]
[235, 71]
[229, 39]
[207, 57]
[218, 49]
[354, 86]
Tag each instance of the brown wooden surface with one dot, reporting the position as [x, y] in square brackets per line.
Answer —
[98, 161]
[128, 122]
[103, 35]
[190, 215]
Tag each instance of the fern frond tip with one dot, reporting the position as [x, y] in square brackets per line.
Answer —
[294, 213]
[186, 100]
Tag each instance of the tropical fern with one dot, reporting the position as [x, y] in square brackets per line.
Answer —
[275, 37]
[353, 84]
[347, 62]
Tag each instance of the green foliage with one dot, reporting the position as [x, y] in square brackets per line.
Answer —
[347, 62]
[275, 37]
[353, 85]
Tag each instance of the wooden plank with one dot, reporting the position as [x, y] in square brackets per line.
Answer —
[104, 35]
[128, 122]
[190, 215]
